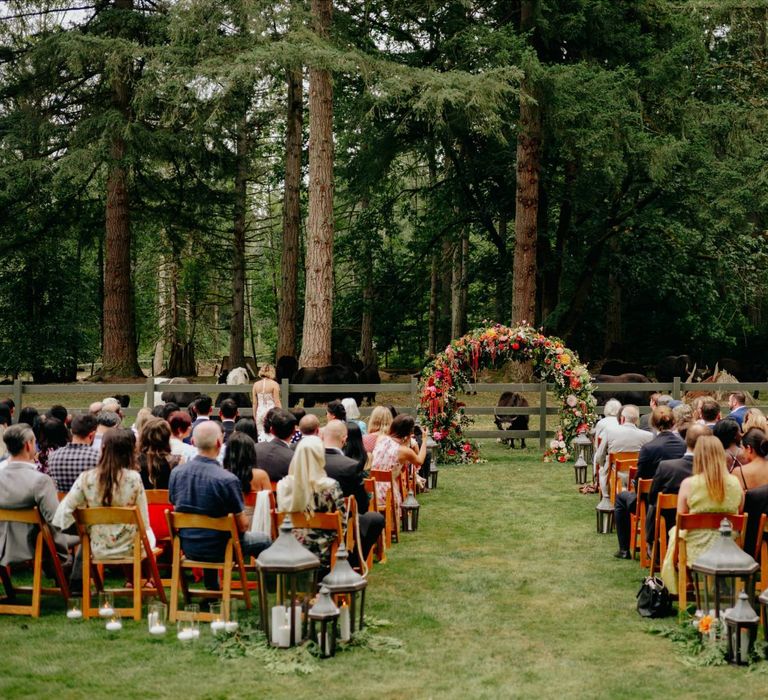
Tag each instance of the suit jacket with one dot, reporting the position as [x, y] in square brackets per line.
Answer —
[621, 438]
[22, 486]
[755, 504]
[227, 427]
[669, 475]
[665, 445]
[274, 457]
[738, 414]
[344, 470]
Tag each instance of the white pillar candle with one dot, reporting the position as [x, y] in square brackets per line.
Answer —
[344, 625]
[74, 614]
[297, 623]
[186, 635]
[114, 625]
[217, 626]
[106, 611]
[744, 645]
[278, 619]
[157, 629]
[284, 636]
[230, 626]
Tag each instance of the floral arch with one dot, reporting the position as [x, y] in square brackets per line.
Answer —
[443, 379]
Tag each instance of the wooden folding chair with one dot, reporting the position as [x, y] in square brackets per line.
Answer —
[619, 463]
[761, 553]
[383, 543]
[637, 520]
[233, 557]
[44, 539]
[142, 552]
[699, 521]
[352, 541]
[319, 521]
[381, 476]
[664, 501]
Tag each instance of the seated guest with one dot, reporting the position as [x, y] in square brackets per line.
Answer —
[203, 409]
[141, 418]
[378, 424]
[669, 475]
[393, 451]
[727, 431]
[737, 403]
[181, 428]
[645, 419]
[355, 449]
[167, 410]
[95, 408]
[353, 413]
[31, 416]
[683, 415]
[60, 412]
[22, 486]
[753, 473]
[275, 456]
[67, 463]
[155, 458]
[113, 405]
[10, 404]
[711, 489]
[666, 445]
[610, 417]
[335, 411]
[228, 413]
[267, 435]
[309, 489]
[204, 487]
[114, 482]
[240, 459]
[53, 436]
[625, 437]
[755, 418]
[710, 412]
[247, 426]
[298, 414]
[309, 425]
[5, 422]
[104, 421]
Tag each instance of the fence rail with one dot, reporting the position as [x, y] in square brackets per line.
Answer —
[546, 407]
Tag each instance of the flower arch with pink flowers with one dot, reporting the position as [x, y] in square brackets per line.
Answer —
[484, 348]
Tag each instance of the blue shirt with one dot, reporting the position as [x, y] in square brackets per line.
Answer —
[204, 487]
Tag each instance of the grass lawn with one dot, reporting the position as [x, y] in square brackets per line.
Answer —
[505, 591]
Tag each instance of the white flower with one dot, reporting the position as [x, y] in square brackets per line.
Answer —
[554, 444]
[561, 444]
[571, 400]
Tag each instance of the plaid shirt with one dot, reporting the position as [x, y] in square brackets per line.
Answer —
[66, 464]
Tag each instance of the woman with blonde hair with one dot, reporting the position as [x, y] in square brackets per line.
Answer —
[711, 489]
[754, 418]
[142, 417]
[266, 395]
[308, 489]
[378, 424]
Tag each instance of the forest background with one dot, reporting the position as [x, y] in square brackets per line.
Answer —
[188, 179]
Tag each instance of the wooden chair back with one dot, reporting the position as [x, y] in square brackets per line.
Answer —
[664, 501]
[331, 522]
[43, 540]
[619, 463]
[699, 521]
[384, 540]
[233, 557]
[637, 521]
[85, 518]
[761, 552]
[157, 504]
[385, 480]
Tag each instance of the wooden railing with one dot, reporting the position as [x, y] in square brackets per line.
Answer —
[547, 406]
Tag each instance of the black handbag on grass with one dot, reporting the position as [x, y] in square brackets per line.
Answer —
[653, 599]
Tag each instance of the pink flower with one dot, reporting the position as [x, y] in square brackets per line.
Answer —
[437, 436]
[467, 447]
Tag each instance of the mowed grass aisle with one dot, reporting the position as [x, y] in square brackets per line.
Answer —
[505, 591]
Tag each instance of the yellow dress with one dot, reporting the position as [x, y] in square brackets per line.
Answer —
[698, 541]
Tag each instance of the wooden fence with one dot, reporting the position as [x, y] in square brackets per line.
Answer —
[547, 406]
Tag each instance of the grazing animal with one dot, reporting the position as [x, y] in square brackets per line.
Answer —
[638, 398]
[369, 375]
[180, 398]
[511, 399]
[239, 375]
[333, 374]
[616, 367]
[681, 366]
[719, 377]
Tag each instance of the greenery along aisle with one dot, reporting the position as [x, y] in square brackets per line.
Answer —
[492, 346]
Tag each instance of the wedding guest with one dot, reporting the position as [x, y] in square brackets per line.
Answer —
[240, 459]
[155, 457]
[67, 463]
[378, 424]
[754, 471]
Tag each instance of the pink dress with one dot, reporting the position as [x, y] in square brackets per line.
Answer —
[385, 458]
[369, 441]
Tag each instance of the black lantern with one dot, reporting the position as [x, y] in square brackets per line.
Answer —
[604, 513]
[323, 623]
[409, 513]
[741, 625]
[580, 470]
[583, 443]
[721, 572]
[287, 577]
[348, 590]
[433, 470]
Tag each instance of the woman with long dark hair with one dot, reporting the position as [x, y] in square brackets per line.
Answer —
[155, 458]
[240, 459]
[114, 482]
[53, 435]
[354, 447]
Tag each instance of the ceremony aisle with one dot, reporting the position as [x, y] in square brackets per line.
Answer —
[504, 591]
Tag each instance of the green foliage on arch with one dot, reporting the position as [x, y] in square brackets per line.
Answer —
[443, 378]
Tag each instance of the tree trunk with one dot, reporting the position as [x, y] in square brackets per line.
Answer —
[434, 290]
[289, 262]
[444, 305]
[527, 195]
[119, 353]
[367, 354]
[459, 286]
[237, 324]
[318, 305]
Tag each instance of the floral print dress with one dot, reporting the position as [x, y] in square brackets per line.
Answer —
[107, 541]
[386, 457]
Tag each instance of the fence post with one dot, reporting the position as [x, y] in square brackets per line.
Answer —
[284, 392]
[676, 388]
[149, 393]
[18, 396]
[414, 395]
[543, 415]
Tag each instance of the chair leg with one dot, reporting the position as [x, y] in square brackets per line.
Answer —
[86, 550]
[633, 535]
[175, 567]
[137, 582]
[37, 576]
[226, 585]
[643, 545]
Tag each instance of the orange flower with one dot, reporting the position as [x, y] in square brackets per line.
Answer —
[705, 623]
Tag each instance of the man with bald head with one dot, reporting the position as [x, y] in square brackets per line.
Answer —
[346, 471]
[309, 425]
[203, 486]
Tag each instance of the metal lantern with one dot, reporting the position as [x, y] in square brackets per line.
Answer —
[433, 470]
[763, 600]
[717, 572]
[348, 590]
[583, 443]
[604, 513]
[287, 578]
[409, 513]
[580, 470]
[323, 623]
[741, 625]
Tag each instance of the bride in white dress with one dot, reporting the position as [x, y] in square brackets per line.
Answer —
[266, 395]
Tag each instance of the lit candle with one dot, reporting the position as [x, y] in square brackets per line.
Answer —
[157, 629]
[230, 626]
[278, 619]
[74, 614]
[195, 632]
[114, 625]
[217, 626]
[744, 645]
[344, 625]
[284, 636]
[186, 635]
[106, 611]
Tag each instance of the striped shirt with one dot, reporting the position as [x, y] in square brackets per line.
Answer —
[68, 462]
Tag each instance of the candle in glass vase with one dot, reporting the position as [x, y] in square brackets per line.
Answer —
[230, 626]
[344, 623]
[74, 612]
[114, 625]
[218, 626]
[185, 635]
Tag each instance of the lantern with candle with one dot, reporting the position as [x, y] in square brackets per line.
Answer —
[433, 470]
[348, 590]
[604, 513]
[721, 572]
[409, 510]
[323, 622]
[741, 625]
[287, 577]
[156, 615]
